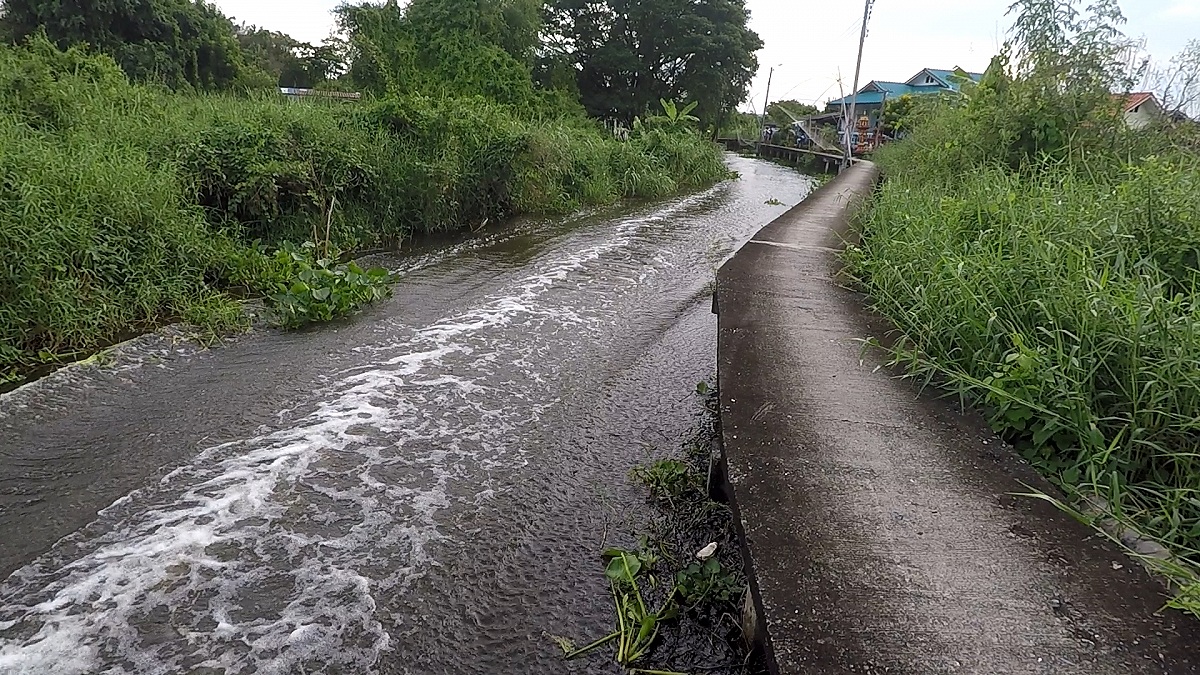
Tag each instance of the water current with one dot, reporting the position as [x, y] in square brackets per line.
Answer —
[423, 488]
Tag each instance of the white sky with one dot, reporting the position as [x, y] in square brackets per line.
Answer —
[809, 41]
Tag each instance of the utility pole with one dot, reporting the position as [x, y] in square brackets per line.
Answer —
[862, 39]
[762, 122]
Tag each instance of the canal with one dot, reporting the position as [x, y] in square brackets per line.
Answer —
[424, 488]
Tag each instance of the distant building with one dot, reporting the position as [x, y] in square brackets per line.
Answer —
[871, 97]
[295, 94]
[1142, 109]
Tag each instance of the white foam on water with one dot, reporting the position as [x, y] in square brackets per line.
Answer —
[269, 554]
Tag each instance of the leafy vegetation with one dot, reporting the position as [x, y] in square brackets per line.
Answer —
[685, 571]
[622, 56]
[178, 43]
[1043, 260]
[312, 286]
[668, 479]
[707, 581]
[278, 59]
[128, 203]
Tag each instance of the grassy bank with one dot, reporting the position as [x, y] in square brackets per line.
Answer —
[125, 205]
[1052, 279]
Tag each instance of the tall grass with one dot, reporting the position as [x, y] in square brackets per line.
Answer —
[1063, 299]
[96, 238]
[124, 205]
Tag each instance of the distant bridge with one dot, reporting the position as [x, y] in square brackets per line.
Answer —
[785, 152]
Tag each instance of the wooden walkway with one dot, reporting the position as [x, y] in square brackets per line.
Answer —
[784, 152]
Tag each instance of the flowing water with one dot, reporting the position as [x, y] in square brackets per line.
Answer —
[424, 488]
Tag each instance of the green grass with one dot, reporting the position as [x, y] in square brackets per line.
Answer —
[124, 206]
[1062, 299]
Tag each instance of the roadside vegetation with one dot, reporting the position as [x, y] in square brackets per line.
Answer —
[677, 595]
[1042, 259]
[156, 174]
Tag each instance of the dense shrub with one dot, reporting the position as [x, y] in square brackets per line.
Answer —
[124, 205]
[96, 238]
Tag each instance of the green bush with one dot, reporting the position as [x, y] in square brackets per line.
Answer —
[96, 241]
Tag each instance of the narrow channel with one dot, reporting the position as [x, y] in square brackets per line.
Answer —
[424, 488]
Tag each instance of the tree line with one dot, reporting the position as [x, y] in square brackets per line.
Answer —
[613, 58]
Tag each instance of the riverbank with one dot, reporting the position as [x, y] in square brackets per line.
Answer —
[131, 205]
[1039, 254]
[885, 528]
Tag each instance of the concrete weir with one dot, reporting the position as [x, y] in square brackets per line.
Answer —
[882, 527]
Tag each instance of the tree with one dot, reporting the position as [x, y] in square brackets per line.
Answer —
[1178, 84]
[628, 54]
[784, 113]
[898, 114]
[289, 62]
[1051, 86]
[175, 42]
[456, 47]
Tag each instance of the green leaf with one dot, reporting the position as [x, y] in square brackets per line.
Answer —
[624, 566]
[321, 294]
[1071, 476]
[648, 623]
[1043, 432]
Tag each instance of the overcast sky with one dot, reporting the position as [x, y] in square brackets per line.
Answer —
[811, 41]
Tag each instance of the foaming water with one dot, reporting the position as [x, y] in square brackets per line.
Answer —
[308, 545]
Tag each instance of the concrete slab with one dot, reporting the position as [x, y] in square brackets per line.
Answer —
[882, 530]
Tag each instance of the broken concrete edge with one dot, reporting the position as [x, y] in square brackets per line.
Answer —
[179, 337]
[1093, 511]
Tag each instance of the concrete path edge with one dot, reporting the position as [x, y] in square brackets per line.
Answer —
[883, 529]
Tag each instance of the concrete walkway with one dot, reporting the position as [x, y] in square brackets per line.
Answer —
[881, 531]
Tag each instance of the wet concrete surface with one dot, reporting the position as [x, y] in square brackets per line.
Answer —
[883, 528]
[422, 488]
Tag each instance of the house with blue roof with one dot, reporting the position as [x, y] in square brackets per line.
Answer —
[875, 93]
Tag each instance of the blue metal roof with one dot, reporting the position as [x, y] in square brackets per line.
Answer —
[866, 97]
[894, 89]
[873, 92]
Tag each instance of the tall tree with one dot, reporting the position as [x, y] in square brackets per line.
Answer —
[288, 61]
[1178, 83]
[459, 47]
[784, 113]
[627, 54]
[176, 42]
